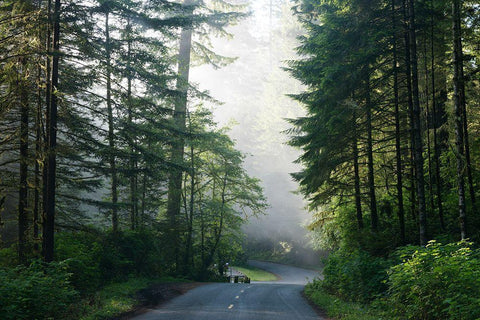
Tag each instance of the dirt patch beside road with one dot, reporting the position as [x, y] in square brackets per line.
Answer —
[157, 294]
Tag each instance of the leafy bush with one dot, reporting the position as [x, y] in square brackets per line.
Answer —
[354, 275]
[8, 257]
[131, 252]
[436, 282]
[337, 308]
[96, 259]
[88, 262]
[40, 291]
[81, 253]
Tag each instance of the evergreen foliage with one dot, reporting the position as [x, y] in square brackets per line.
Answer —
[87, 117]
[379, 134]
[386, 140]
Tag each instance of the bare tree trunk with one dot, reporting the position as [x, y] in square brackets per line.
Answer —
[466, 139]
[189, 213]
[111, 133]
[436, 147]
[468, 160]
[458, 86]
[175, 178]
[398, 147]
[358, 195]
[189, 209]
[427, 126]
[417, 130]
[38, 159]
[132, 158]
[371, 175]
[408, 73]
[202, 232]
[23, 186]
[49, 214]
[144, 193]
[48, 94]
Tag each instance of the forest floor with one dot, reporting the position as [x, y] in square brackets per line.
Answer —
[155, 295]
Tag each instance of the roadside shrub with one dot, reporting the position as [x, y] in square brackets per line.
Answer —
[131, 252]
[40, 291]
[96, 259]
[8, 257]
[435, 282]
[354, 275]
[337, 308]
[81, 252]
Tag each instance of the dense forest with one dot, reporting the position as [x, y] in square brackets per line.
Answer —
[110, 164]
[114, 173]
[390, 151]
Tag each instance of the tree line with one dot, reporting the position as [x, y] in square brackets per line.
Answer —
[389, 140]
[390, 155]
[102, 130]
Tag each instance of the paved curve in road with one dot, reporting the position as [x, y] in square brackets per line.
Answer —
[279, 300]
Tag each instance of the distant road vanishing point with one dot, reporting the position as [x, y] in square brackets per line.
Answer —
[278, 300]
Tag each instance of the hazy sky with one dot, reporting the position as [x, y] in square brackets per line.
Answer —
[253, 92]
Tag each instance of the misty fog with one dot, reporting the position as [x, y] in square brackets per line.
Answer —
[253, 90]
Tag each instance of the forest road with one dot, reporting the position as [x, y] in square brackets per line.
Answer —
[276, 300]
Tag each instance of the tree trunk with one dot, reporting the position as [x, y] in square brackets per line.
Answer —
[38, 159]
[111, 133]
[467, 153]
[188, 259]
[49, 210]
[358, 195]
[175, 178]
[458, 83]
[436, 147]
[466, 139]
[132, 164]
[398, 147]
[48, 94]
[130, 135]
[408, 74]
[428, 125]
[202, 232]
[144, 193]
[371, 175]
[417, 130]
[23, 186]
[218, 233]
[188, 245]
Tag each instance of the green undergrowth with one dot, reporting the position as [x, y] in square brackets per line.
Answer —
[434, 282]
[256, 274]
[117, 298]
[337, 308]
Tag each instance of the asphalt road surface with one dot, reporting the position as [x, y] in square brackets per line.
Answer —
[279, 300]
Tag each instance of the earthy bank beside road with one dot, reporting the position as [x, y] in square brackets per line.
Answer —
[157, 294]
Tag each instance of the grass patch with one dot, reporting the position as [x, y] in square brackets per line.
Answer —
[256, 274]
[116, 298]
[337, 308]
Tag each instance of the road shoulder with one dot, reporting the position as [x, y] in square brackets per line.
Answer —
[156, 295]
